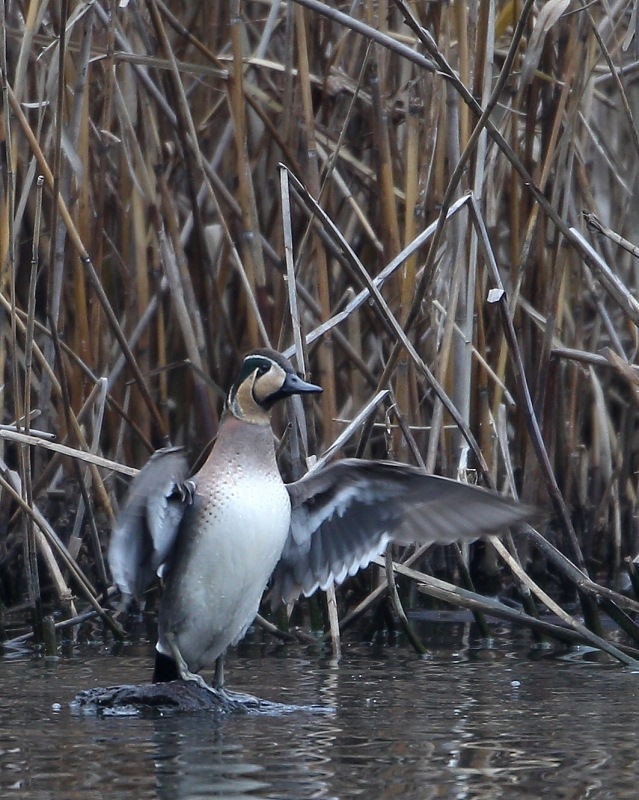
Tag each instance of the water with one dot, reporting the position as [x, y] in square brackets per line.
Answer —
[466, 723]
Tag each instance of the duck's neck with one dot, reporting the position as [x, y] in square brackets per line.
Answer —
[245, 438]
[243, 406]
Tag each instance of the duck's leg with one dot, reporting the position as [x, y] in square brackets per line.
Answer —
[218, 677]
[233, 697]
[183, 669]
[222, 694]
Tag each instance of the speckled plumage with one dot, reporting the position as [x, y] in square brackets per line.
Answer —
[238, 524]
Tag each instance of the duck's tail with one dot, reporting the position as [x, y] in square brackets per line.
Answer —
[165, 669]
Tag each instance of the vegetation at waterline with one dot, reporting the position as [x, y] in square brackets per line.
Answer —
[431, 205]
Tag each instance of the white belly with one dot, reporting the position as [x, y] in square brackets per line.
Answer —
[214, 589]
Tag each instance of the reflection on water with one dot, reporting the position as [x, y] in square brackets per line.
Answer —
[467, 723]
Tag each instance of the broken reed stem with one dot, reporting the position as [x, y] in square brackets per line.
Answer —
[578, 627]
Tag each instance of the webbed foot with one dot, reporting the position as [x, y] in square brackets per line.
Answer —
[226, 698]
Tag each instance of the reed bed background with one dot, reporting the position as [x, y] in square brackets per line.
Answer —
[432, 205]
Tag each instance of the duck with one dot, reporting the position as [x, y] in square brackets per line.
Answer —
[218, 537]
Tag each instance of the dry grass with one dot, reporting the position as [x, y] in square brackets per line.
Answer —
[144, 222]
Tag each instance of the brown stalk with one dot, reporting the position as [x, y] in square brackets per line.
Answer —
[390, 320]
[318, 255]
[84, 256]
[525, 401]
[251, 248]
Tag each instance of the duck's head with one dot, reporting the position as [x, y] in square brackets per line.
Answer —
[264, 378]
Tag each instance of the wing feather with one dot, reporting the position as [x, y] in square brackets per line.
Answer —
[345, 514]
[147, 525]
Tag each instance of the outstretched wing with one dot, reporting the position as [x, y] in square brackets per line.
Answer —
[345, 514]
[148, 522]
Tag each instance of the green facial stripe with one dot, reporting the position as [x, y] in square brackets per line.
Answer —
[249, 365]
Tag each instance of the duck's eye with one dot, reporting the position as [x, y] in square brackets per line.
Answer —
[262, 370]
